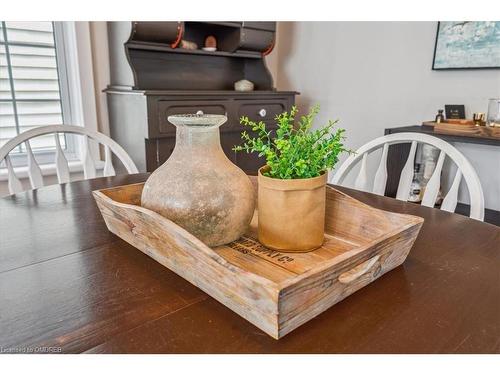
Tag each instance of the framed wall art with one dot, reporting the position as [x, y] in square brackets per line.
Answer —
[467, 45]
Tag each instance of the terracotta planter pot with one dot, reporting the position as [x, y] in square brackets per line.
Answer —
[292, 213]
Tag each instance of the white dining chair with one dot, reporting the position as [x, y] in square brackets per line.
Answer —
[464, 169]
[61, 163]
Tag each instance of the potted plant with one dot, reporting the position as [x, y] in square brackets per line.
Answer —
[292, 184]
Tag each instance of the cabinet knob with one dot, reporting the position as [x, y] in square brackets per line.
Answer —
[262, 113]
[199, 112]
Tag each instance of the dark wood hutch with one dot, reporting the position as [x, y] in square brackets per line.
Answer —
[153, 78]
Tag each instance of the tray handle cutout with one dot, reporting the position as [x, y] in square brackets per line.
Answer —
[351, 275]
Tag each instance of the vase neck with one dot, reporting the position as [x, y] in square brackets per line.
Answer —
[206, 139]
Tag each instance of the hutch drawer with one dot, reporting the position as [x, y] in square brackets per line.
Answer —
[169, 108]
[261, 110]
[265, 109]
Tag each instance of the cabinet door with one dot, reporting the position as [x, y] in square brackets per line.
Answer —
[250, 163]
[158, 151]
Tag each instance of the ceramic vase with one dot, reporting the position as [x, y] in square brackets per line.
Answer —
[198, 187]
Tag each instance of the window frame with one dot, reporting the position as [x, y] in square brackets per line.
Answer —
[74, 67]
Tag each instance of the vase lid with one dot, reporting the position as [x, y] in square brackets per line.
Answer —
[197, 120]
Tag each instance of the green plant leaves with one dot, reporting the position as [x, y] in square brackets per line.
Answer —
[296, 151]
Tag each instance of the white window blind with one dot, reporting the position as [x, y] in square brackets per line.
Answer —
[29, 82]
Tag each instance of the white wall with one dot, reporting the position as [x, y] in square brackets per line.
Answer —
[375, 75]
[100, 66]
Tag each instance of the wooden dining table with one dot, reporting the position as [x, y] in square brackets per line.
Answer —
[68, 285]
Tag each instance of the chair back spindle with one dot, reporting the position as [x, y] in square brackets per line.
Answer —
[14, 184]
[88, 162]
[62, 167]
[432, 187]
[61, 163]
[109, 170]
[34, 171]
[451, 199]
[380, 180]
[464, 169]
[361, 182]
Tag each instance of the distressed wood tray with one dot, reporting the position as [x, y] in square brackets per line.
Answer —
[275, 291]
[470, 130]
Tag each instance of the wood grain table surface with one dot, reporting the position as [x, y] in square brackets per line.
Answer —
[69, 284]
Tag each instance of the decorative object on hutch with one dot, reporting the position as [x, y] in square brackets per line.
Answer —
[479, 118]
[243, 85]
[415, 195]
[198, 187]
[493, 117]
[454, 111]
[186, 44]
[210, 43]
[152, 78]
[439, 117]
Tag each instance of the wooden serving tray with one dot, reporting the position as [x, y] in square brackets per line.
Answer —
[275, 291]
[466, 129]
